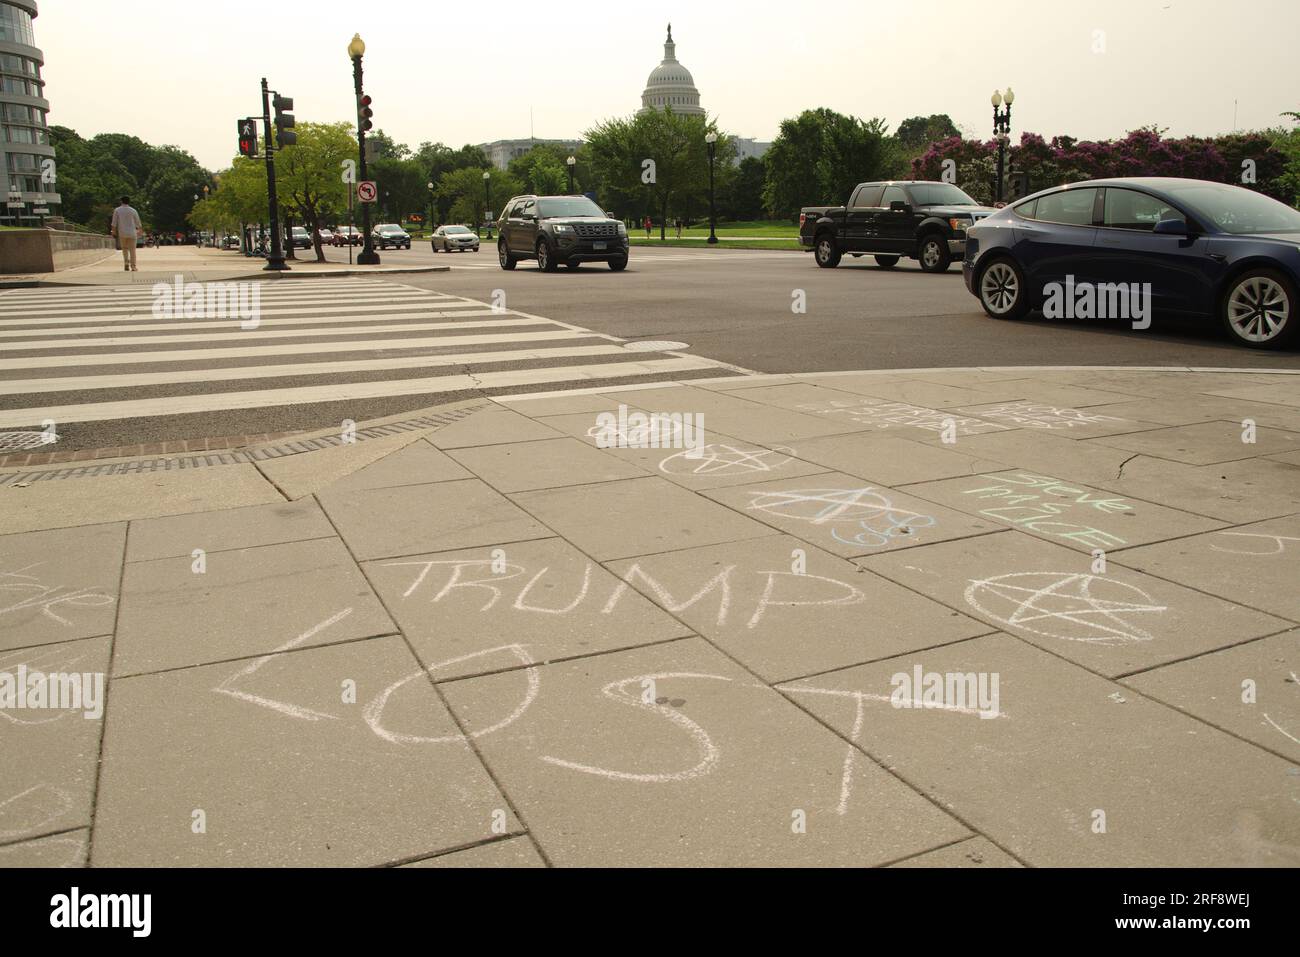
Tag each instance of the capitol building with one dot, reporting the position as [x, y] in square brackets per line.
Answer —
[671, 86]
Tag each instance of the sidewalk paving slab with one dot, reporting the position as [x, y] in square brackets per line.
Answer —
[251, 601]
[309, 472]
[1251, 690]
[1068, 747]
[1248, 491]
[413, 519]
[636, 517]
[784, 609]
[1068, 513]
[59, 584]
[970, 853]
[177, 536]
[483, 609]
[849, 516]
[721, 461]
[544, 463]
[321, 787]
[1257, 565]
[50, 756]
[495, 425]
[890, 460]
[1207, 443]
[1113, 622]
[56, 850]
[512, 852]
[716, 773]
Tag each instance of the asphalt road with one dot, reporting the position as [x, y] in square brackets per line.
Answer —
[735, 305]
[730, 305]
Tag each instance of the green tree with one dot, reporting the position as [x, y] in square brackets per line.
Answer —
[740, 198]
[916, 133]
[463, 193]
[309, 175]
[403, 186]
[678, 173]
[820, 155]
[384, 147]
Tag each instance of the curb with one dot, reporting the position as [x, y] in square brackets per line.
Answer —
[305, 273]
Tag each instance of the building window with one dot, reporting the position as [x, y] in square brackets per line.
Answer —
[16, 25]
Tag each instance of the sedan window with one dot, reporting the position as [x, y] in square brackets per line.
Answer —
[1129, 209]
[1072, 207]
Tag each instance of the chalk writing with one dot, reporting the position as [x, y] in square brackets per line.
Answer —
[861, 516]
[1066, 605]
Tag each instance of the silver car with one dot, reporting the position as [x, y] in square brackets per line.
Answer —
[458, 238]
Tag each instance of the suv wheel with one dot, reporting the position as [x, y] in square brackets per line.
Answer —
[886, 262]
[503, 256]
[1001, 289]
[618, 265]
[827, 253]
[1259, 309]
[571, 264]
[545, 258]
[934, 253]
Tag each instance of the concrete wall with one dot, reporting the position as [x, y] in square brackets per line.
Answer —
[49, 250]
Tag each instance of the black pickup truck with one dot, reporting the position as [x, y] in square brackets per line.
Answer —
[921, 220]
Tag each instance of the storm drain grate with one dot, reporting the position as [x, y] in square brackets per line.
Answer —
[22, 441]
[142, 466]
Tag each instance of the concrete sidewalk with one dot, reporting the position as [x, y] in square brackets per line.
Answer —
[938, 618]
[164, 263]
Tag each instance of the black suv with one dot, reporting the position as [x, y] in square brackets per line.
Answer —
[922, 220]
[559, 229]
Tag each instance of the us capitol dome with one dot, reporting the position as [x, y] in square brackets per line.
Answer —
[671, 85]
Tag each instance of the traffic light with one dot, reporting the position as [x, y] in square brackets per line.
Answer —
[248, 137]
[284, 121]
[364, 113]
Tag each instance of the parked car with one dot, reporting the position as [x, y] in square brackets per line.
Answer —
[347, 236]
[326, 236]
[921, 220]
[230, 242]
[301, 238]
[459, 238]
[1205, 249]
[390, 234]
[559, 229]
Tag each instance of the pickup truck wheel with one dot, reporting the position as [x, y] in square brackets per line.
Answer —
[934, 253]
[886, 262]
[827, 253]
[1001, 289]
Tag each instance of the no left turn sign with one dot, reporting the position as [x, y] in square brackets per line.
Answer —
[366, 191]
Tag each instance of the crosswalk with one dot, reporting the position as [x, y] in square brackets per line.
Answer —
[110, 353]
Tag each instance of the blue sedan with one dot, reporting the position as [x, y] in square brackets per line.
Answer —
[1122, 248]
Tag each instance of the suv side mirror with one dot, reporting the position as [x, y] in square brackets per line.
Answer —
[898, 206]
[1173, 227]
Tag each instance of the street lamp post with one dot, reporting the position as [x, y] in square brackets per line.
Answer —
[1001, 132]
[712, 140]
[367, 256]
[571, 162]
[429, 225]
[487, 201]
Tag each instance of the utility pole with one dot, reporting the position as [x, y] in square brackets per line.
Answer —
[275, 260]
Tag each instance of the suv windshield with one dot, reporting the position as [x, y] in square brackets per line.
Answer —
[1236, 210]
[568, 206]
[939, 194]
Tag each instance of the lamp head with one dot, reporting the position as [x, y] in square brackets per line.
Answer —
[357, 48]
[711, 138]
[1009, 98]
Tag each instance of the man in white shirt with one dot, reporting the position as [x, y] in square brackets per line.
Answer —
[126, 227]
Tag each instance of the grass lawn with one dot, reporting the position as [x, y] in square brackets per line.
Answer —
[703, 242]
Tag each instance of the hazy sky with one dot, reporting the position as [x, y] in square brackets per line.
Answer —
[469, 72]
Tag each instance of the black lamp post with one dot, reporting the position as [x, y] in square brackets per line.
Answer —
[571, 162]
[712, 140]
[487, 201]
[1001, 132]
[356, 50]
[429, 224]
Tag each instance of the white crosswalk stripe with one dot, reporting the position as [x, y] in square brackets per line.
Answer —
[109, 353]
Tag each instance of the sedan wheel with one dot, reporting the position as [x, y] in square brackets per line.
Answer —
[1258, 309]
[1002, 290]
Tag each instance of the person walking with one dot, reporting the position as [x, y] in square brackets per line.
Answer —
[648, 226]
[126, 228]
